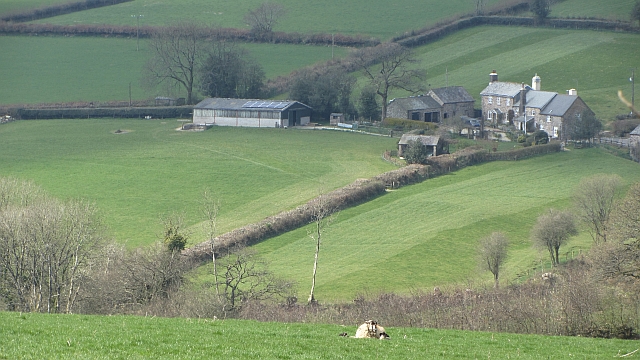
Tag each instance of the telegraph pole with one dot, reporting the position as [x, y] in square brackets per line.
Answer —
[633, 86]
[137, 31]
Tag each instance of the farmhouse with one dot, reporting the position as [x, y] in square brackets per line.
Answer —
[251, 113]
[434, 144]
[634, 143]
[528, 107]
[436, 105]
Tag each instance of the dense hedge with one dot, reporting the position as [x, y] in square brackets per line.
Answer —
[408, 124]
[60, 9]
[84, 113]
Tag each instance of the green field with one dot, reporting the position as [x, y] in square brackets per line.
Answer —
[11, 6]
[101, 69]
[42, 336]
[613, 9]
[137, 177]
[425, 235]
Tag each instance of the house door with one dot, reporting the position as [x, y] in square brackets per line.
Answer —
[293, 119]
[415, 115]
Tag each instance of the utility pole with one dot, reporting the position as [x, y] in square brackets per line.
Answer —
[137, 31]
[633, 86]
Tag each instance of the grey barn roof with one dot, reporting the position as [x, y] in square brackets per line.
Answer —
[559, 105]
[537, 99]
[417, 102]
[635, 131]
[247, 104]
[452, 94]
[428, 140]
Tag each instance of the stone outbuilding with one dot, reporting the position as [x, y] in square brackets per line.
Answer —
[436, 105]
[434, 144]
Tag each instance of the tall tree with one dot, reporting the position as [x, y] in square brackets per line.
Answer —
[210, 210]
[228, 71]
[583, 127]
[552, 230]
[264, 18]
[492, 254]
[594, 199]
[322, 216]
[540, 9]
[326, 90]
[388, 67]
[177, 52]
[368, 106]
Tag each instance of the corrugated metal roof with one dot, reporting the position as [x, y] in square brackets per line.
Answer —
[452, 94]
[428, 140]
[559, 105]
[245, 104]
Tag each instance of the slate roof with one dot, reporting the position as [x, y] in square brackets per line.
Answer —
[247, 104]
[500, 88]
[559, 105]
[537, 99]
[416, 102]
[452, 94]
[427, 140]
[635, 131]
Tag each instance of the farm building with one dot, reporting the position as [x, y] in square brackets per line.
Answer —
[251, 113]
[434, 106]
[634, 143]
[528, 107]
[434, 144]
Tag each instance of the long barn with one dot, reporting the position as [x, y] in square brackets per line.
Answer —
[251, 113]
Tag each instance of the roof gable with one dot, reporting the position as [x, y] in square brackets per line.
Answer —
[635, 131]
[560, 104]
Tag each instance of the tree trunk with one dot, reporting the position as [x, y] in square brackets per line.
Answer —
[315, 264]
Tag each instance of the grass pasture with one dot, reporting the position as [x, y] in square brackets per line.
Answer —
[425, 235]
[43, 336]
[100, 69]
[615, 10]
[152, 170]
[13, 6]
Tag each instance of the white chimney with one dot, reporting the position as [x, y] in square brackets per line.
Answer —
[535, 83]
[493, 77]
[573, 92]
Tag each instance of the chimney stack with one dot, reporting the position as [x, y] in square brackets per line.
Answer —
[573, 92]
[535, 83]
[493, 77]
[523, 101]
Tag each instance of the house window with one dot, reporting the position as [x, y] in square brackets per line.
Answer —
[508, 102]
[446, 115]
[555, 131]
[498, 100]
[490, 100]
[533, 112]
[548, 118]
[489, 115]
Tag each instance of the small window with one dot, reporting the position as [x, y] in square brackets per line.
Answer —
[508, 102]
[490, 100]
[548, 118]
[446, 115]
[498, 100]
[489, 115]
[555, 131]
[533, 112]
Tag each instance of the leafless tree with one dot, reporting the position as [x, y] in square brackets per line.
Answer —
[264, 18]
[594, 200]
[388, 67]
[323, 214]
[210, 209]
[247, 278]
[625, 219]
[45, 246]
[177, 52]
[552, 230]
[480, 6]
[492, 253]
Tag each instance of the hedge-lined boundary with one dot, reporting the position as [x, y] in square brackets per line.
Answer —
[161, 112]
[358, 192]
[60, 9]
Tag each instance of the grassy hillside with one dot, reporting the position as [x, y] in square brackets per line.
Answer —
[153, 170]
[613, 9]
[39, 336]
[100, 69]
[597, 64]
[425, 235]
[373, 18]
[10, 6]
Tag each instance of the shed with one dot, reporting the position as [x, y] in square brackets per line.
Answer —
[251, 113]
[433, 143]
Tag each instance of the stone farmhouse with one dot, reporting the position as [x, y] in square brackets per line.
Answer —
[436, 105]
[251, 113]
[528, 107]
[634, 143]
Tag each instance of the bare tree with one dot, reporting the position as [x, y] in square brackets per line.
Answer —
[480, 6]
[264, 18]
[322, 216]
[177, 52]
[247, 278]
[388, 67]
[210, 210]
[625, 218]
[594, 200]
[492, 254]
[552, 230]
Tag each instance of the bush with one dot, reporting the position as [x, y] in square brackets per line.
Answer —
[408, 124]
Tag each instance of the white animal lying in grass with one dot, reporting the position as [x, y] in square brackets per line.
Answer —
[371, 330]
